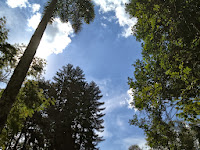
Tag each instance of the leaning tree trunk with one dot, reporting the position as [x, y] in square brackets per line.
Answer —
[10, 93]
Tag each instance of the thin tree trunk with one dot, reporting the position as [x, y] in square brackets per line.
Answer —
[10, 93]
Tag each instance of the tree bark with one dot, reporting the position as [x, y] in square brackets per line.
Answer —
[10, 93]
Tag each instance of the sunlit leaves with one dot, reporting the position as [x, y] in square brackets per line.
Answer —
[30, 100]
[167, 81]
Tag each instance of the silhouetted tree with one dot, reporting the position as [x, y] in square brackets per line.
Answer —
[74, 11]
[75, 119]
[134, 147]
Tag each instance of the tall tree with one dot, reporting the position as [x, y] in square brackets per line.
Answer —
[68, 10]
[74, 120]
[134, 147]
[166, 84]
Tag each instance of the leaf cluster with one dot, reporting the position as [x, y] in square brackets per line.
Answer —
[72, 119]
[166, 84]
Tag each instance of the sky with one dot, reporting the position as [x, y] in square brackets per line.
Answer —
[105, 50]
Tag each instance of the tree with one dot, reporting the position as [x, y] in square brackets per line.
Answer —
[134, 147]
[72, 10]
[74, 120]
[7, 52]
[36, 68]
[166, 84]
[30, 100]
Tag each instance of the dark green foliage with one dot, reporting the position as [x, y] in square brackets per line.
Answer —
[166, 85]
[74, 11]
[29, 101]
[74, 120]
[77, 110]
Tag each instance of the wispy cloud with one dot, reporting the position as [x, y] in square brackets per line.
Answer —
[105, 133]
[17, 3]
[35, 7]
[104, 25]
[110, 18]
[56, 36]
[23, 3]
[119, 101]
[118, 6]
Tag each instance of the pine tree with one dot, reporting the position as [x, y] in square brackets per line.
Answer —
[75, 11]
[75, 119]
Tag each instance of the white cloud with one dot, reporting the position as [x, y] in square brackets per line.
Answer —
[112, 103]
[118, 6]
[130, 94]
[128, 99]
[17, 3]
[35, 7]
[34, 21]
[103, 25]
[23, 3]
[110, 18]
[55, 38]
[121, 123]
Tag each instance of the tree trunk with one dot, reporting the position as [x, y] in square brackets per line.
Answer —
[10, 93]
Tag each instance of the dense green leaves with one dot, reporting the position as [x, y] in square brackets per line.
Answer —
[166, 84]
[73, 120]
[29, 101]
[74, 11]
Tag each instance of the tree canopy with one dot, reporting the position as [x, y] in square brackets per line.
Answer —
[166, 84]
[74, 11]
[73, 119]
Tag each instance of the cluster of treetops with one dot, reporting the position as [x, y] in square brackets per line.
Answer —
[67, 111]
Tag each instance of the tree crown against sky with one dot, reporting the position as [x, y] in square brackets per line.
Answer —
[73, 120]
[73, 11]
[86, 59]
[166, 85]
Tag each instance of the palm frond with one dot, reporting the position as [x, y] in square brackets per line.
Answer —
[74, 11]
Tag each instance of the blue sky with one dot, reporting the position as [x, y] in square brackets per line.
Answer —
[105, 50]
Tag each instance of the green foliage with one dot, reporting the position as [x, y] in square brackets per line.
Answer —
[37, 66]
[11, 54]
[7, 52]
[29, 101]
[72, 121]
[166, 85]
